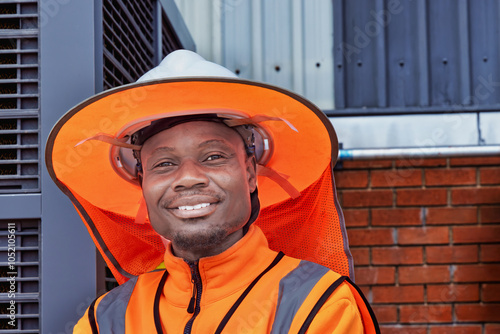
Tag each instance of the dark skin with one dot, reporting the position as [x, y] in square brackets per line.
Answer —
[197, 181]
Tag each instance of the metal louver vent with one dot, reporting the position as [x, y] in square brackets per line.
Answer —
[19, 276]
[128, 41]
[19, 107]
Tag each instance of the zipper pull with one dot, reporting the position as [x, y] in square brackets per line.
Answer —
[192, 301]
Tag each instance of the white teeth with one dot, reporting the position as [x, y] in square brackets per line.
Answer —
[195, 207]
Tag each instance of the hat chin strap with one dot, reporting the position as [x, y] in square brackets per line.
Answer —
[280, 179]
[104, 137]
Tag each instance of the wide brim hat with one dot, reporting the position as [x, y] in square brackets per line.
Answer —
[304, 152]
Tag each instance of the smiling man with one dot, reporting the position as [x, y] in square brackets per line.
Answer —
[197, 180]
[192, 193]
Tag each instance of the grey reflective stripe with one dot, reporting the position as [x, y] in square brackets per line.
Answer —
[294, 288]
[111, 310]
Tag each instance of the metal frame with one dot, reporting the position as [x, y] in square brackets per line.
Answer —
[68, 65]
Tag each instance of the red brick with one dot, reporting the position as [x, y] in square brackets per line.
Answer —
[366, 289]
[450, 293]
[402, 329]
[485, 195]
[420, 162]
[456, 329]
[477, 312]
[396, 217]
[374, 275]
[417, 197]
[490, 293]
[396, 178]
[490, 253]
[423, 235]
[451, 254]
[477, 273]
[397, 255]
[364, 164]
[370, 237]
[366, 198]
[351, 179]
[475, 161]
[356, 217]
[490, 214]
[457, 215]
[386, 313]
[490, 175]
[425, 313]
[423, 274]
[398, 294]
[361, 256]
[476, 234]
[492, 329]
[450, 176]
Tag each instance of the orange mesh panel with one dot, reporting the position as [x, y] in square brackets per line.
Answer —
[136, 247]
[308, 227]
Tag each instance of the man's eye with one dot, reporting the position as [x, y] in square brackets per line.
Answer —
[164, 164]
[214, 157]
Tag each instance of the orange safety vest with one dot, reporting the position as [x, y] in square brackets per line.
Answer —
[246, 289]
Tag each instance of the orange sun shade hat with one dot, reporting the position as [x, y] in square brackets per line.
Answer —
[299, 214]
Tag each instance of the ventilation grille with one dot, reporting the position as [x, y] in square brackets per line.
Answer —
[128, 41]
[19, 276]
[19, 135]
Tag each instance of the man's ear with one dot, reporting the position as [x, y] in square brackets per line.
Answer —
[252, 173]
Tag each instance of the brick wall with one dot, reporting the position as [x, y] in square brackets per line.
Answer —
[425, 236]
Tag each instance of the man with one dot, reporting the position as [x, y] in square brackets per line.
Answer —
[190, 150]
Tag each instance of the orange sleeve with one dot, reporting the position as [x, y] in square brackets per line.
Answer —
[83, 325]
[340, 314]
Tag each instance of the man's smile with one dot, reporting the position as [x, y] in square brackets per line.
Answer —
[193, 211]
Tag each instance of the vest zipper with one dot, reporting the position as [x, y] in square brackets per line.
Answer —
[194, 303]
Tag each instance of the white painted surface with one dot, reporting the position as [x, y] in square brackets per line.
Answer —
[406, 131]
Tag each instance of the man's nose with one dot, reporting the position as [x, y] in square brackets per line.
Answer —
[189, 175]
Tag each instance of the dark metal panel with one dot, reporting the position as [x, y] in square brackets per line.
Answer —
[339, 59]
[406, 37]
[360, 56]
[375, 28]
[417, 55]
[444, 51]
[485, 53]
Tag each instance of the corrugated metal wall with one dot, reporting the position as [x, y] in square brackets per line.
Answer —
[416, 56]
[282, 42]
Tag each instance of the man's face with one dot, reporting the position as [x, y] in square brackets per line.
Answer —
[197, 181]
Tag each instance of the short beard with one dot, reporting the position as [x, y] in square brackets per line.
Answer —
[201, 240]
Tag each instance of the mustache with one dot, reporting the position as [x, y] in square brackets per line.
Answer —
[188, 193]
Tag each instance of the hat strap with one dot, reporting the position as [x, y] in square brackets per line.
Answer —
[255, 119]
[140, 217]
[104, 137]
[279, 179]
